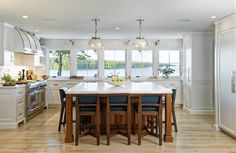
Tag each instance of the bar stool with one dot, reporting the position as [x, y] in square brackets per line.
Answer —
[174, 123]
[117, 106]
[88, 105]
[62, 119]
[149, 105]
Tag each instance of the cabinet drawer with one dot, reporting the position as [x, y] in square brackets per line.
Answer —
[20, 96]
[20, 101]
[20, 108]
[20, 116]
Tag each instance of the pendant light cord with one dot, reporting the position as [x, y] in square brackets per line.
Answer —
[140, 27]
[95, 24]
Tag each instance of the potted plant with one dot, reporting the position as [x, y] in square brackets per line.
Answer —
[166, 71]
[8, 81]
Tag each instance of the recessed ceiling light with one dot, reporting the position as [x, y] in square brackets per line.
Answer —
[25, 17]
[212, 17]
[117, 28]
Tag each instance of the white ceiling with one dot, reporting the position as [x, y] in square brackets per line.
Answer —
[71, 18]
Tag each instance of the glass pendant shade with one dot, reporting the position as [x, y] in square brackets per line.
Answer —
[95, 42]
[140, 43]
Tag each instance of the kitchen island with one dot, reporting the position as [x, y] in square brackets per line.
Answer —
[103, 88]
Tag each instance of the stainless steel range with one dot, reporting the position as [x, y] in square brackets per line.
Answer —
[35, 98]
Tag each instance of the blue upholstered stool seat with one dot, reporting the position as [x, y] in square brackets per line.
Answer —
[118, 100]
[87, 100]
[150, 100]
[118, 108]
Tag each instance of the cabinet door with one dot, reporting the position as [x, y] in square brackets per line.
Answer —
[8, 38]
[226, 99]
[187, 75]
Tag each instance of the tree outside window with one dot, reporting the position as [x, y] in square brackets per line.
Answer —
[87, 63]
[59, 62]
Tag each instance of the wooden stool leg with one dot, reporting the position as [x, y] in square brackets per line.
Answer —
[108, 121]
[157, 126]
[60, 119]
[129, 122]
[174, 119]
[64, 122]
[98, 123]
[77, 128]
[140, 124]
[160, 128]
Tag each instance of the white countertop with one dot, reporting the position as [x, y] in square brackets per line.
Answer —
[12, 87]
[130, 88]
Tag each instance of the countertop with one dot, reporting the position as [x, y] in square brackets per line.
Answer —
[129, 88]
[12, 87]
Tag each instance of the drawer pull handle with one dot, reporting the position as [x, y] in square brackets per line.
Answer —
[19, 102]
[20, 114]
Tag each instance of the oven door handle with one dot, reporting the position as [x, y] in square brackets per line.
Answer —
[35, 92]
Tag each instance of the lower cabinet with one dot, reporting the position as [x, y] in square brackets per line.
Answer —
[53, 96]
[175, 84]
[12, 106]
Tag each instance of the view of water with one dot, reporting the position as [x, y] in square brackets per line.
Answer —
[121, 72]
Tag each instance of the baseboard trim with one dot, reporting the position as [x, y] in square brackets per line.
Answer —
[8, 125]
[217, 127]
[199, 112]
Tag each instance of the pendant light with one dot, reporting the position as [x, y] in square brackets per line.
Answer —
[140, 43]
[95, 42]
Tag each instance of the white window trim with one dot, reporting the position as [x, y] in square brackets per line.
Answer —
[128, 62]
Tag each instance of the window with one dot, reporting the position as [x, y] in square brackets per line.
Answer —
[59, 63]
[142, 63]
[171, 58]
[87, 63]
[114, 62]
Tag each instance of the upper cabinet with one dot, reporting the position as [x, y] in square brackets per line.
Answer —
[6, 44]
[19, 47]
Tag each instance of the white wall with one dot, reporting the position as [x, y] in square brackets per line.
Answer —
[109, 44]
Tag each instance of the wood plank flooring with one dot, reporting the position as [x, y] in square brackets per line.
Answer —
[196, 135]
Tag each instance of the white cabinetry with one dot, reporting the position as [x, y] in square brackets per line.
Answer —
[12, 106]
[175, 84]
[6, 44]
[226, 74]
[53, 90]
[198, 73]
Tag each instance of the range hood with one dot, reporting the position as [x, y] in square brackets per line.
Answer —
[26, 42]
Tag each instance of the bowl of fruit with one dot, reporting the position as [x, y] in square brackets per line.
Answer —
[117, 81]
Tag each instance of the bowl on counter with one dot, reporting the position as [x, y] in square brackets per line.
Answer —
[116, 81]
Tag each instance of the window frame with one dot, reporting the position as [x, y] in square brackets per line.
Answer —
[180, 61]
[152, 61]
[128, 62]
[96, 74]
[114, 69]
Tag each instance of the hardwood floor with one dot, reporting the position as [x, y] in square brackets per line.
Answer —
[196, 134]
